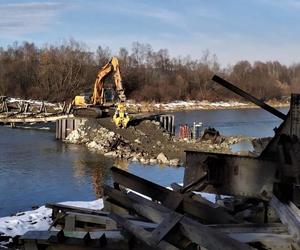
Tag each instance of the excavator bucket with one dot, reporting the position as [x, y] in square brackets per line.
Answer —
[121, 117]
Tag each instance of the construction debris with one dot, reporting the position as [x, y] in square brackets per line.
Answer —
[146, 142]
[139, 214]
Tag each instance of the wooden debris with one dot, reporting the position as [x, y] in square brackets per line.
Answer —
[140, 214]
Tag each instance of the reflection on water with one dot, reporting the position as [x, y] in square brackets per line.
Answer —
[36, 169]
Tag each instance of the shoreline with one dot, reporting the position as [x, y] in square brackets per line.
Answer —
[178, 106]
[174, 106]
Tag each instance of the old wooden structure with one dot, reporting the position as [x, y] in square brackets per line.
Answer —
[260, 210]
[139, 214]
[26, 112]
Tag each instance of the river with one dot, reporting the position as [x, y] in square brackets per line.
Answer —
[36, 169]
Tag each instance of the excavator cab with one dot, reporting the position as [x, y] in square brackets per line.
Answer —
[83, 99]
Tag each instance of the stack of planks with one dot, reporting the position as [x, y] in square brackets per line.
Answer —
[140, 214]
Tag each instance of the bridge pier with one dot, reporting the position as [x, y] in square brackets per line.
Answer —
[65, 126]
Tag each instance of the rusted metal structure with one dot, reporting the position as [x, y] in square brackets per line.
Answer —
[275, 171]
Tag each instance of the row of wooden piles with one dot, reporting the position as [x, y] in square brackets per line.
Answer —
[150, 216]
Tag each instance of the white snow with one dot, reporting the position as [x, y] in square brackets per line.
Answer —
[192, 104]
[36, 102]
[38, 219]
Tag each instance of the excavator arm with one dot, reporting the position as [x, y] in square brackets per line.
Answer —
[111, 67]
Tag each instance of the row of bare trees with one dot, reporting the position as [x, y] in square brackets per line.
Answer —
[58, 73]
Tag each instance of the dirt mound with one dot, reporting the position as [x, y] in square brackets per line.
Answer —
[146, 142]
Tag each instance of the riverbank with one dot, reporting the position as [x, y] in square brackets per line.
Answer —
[47, 170]
[179, 105]
[135, 107]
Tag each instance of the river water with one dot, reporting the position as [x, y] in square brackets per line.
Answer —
[36, 169]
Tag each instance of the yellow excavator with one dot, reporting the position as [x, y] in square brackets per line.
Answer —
[96, 106]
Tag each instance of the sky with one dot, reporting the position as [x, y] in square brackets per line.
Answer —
[233, 30]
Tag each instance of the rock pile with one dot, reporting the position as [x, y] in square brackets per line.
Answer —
[146, 142]
[112, 144]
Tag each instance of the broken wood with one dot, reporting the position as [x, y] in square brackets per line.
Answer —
[171, 199]
[195, 231]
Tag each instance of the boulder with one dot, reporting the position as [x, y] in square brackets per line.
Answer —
[137, 141]
[111, 154]
[161, 158]
[153, 161]
[174, 162]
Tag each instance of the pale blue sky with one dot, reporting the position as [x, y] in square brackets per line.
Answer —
[233, 30]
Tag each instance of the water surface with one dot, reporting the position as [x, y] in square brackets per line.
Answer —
[36, 169]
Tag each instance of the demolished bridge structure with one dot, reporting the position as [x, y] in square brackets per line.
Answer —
[260, 209]
[275, 171]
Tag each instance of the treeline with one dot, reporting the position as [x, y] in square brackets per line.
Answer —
[59, 72]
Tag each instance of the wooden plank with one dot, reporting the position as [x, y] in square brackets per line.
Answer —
[148, 188]
[288, 216]
[141, 233]
[94, 219]
[72, 209]
[195, 231]
[30, 245]
[172, 199]
[70, 222]
[261, 237]
[273, 228]
[66, 208]
[165, 227]
[110, 240]
[106, 220]
[209, 238]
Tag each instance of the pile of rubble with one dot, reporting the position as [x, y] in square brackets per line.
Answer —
[140, 214]
[112, 144]
[101, 139]
[145, 142]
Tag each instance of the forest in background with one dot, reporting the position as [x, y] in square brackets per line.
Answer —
[59, 72]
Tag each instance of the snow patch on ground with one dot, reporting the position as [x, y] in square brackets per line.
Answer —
[38, 219]
[30, 101]
[186, 105]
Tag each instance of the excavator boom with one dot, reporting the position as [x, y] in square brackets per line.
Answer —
[111, 67]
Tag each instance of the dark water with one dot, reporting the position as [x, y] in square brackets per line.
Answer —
[36, 169]
[250, 122]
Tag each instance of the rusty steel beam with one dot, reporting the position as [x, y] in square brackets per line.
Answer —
[249, 97]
